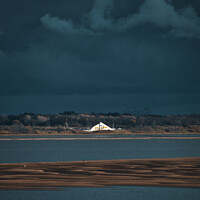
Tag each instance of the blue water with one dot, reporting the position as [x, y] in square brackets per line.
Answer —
[12, 151]
[115, 193]
[64, 150]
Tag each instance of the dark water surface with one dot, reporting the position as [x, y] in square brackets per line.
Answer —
[115, 193]
[63, 150]
[12, 151]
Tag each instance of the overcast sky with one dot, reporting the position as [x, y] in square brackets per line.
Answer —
[99, 56]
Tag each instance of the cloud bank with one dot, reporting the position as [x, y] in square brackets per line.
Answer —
[64, 26]
[159, 13]
[102, 49]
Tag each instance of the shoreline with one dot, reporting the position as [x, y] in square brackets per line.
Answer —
[99, 138]
[74, 132]
[92, 134]
[170, 172]
[101, 134]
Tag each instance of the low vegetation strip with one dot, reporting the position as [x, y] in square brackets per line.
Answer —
[172, 172]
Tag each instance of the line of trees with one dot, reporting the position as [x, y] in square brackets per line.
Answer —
[72, 119]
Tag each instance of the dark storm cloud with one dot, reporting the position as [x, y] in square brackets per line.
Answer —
[117, 66]
[181, 23]
[64, 26]
[101, 47]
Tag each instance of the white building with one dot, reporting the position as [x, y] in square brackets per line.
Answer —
[101, 127]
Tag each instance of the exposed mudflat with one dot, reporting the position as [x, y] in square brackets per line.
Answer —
[173, 172]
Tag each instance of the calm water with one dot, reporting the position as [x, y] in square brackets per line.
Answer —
[63, 150]
[115, 193]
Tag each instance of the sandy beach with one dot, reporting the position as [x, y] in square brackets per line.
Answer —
[172, 172]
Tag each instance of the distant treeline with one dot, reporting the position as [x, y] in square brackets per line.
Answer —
[71, 119]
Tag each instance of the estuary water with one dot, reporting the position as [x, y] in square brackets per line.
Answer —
[95, 148]
[12, 151]
[112, 193]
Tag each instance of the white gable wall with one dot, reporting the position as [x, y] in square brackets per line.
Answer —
[101, 127]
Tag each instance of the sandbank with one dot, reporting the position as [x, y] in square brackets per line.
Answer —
[171, 172]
